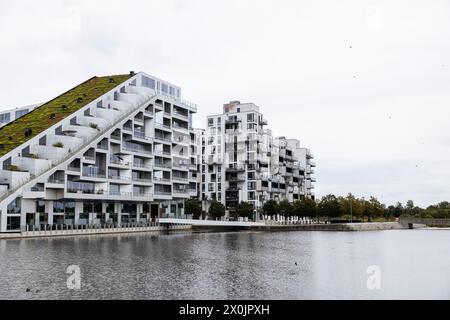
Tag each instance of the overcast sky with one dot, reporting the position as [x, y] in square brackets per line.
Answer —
[364, 84]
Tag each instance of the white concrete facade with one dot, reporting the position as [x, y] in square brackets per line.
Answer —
[242, 161]
[128, 156]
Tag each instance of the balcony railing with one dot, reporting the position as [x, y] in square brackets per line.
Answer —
[118, 161]
[141, 135]
[142, 166]
[180, 114]
[56, 180]
[158, 179]
[93, 175]
[74, 169]
[176, 178]
[163, 165]
[135, 148]
[180, 166]
[180, 191]
[138, 179]
[117, 177]
[119, 193]
[163, 139]
[161, 192]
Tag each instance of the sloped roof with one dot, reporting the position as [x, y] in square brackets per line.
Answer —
[40, 119]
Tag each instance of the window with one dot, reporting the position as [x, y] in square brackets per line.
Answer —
[219, 121]
[5, 118]
[148, 82]
[210, 187]
[164, 88]
[20, 113]
[58, 206]
[172, 91]
[15, 206]
[210, 122]
[40, 206]
[251, 117]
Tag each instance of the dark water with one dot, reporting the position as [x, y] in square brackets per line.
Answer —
[235, 265]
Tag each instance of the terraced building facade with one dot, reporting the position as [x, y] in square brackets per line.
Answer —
[112, 150]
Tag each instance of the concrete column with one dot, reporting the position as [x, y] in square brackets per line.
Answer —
[104, 205]
[78, 210]
[117, 207]
[139, 209]
[49, 210]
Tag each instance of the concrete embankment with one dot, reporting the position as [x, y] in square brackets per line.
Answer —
[372, 226]
[85, 232]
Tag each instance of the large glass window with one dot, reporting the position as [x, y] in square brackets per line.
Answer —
[148, 82]
[58, 206]
[15, 206]
[20, 113]
[5, 118]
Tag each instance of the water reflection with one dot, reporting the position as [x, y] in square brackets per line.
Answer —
[230, 265]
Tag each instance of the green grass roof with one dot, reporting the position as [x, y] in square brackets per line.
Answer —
[40, 119]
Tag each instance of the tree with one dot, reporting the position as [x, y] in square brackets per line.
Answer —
[270, 208]
[216, 209]
[374, 208]
[305, 207]
[244, 209]
[409, 205]
[328, 206]
[399, 209]
[193, 207]
[285, 208]
[351, 206]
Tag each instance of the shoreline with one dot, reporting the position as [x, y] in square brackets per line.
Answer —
[345, 227]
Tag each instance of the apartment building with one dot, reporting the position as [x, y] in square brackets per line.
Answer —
[242, 161]
[113, 149]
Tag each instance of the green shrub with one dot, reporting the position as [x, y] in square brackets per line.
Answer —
[58, 145]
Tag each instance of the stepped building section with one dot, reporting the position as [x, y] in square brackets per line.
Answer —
[113, 149]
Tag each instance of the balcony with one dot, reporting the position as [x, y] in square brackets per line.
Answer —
[232, 121]
[163, 193]
[142, 166]
[135, 148]
[117, 177]
[180, 115]
[177, 127]
[163, 139]
[163, 165]
[164, 180]
[118, 161]
[162, 153]
[162, 126]
[177, 178]
[142, 179]
[235, 168]
[141, 135]
[119, 193]
[181, 166]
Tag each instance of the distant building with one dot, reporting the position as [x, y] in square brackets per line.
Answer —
[242, 161]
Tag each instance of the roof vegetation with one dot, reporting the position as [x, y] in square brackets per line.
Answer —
[40, 119]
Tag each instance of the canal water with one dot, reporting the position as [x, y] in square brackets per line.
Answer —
[406, 264]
